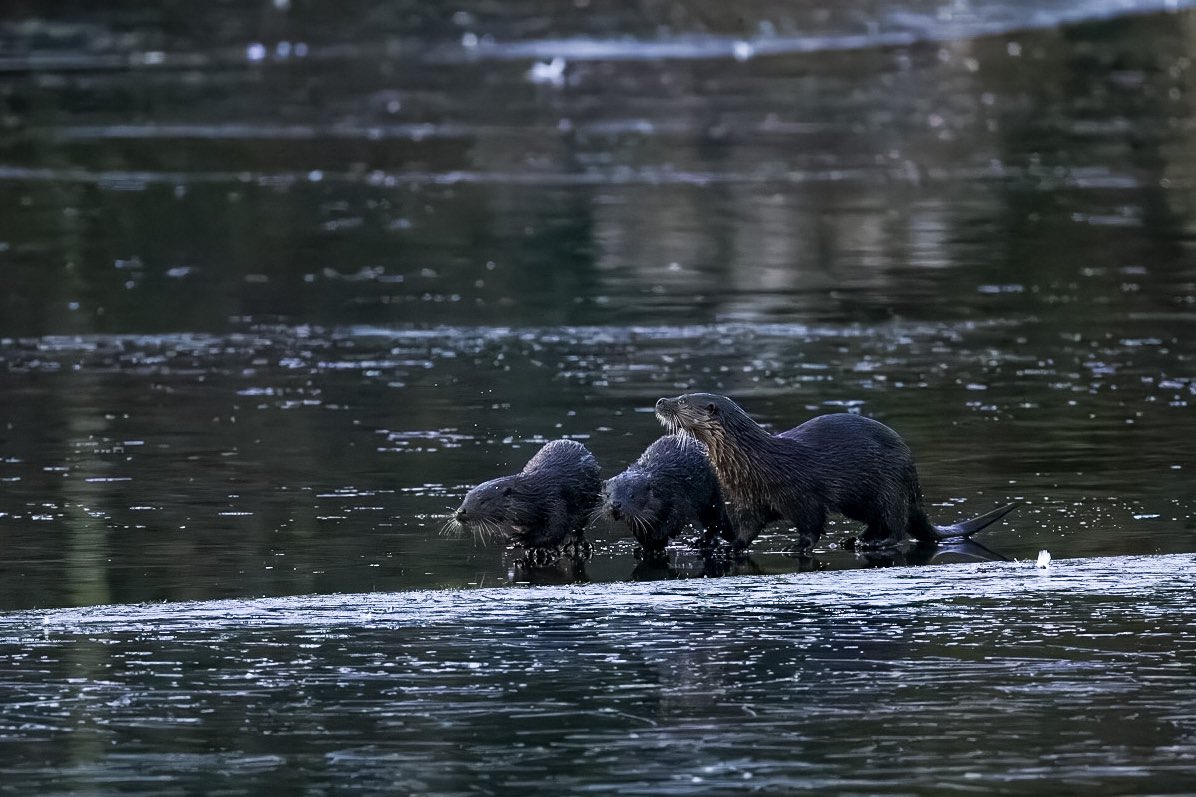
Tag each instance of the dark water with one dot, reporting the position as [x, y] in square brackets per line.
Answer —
[996, 678]
[279, 283]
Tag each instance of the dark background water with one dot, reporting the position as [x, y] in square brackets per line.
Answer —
[279, 282]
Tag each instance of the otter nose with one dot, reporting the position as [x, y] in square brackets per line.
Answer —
[462, 515]
[660, 404]
[616, 509]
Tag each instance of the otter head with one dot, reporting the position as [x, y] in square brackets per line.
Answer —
[486, 510]
[629, 497]
[486, 502]
[705, 416]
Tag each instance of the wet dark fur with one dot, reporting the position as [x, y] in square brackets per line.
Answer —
[545, 505]
[671, 486]
[842, 462]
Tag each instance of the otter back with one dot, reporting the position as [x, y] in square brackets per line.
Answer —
[544, 505]
[671, 486]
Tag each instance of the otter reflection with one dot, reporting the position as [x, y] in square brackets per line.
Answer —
[678, 562]
[552, 567]
[925, 553]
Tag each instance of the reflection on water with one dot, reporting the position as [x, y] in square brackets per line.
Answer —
[1000, 677]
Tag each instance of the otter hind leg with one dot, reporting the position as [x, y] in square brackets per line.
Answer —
[876, 537]
[809, 518]
[885, 524]
[887, 516]
[920, 527]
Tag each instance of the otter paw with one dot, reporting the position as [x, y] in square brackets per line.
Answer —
[652, 555]
[539, 557]
[578, 548]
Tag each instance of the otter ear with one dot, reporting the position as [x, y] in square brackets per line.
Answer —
[712, 408]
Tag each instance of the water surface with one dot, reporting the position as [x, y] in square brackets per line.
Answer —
[998, 677]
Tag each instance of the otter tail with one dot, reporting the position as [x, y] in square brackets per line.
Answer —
[966, 528]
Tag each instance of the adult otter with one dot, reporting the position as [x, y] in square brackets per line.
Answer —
[847, 463]
[545, 505]
[669, 487]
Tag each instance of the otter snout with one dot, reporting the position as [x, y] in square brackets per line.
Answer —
[461, 516]
[614, 509]
[668, 413]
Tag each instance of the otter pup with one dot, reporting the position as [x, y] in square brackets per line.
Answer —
[543, 506]
[669, 487]
[847, 463]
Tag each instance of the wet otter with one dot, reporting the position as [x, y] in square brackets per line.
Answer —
[847, 463]
[669, 487]
[545, 505]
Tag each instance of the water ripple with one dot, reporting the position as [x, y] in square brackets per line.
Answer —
[855, 681]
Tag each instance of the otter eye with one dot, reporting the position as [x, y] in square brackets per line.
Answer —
[506, 491]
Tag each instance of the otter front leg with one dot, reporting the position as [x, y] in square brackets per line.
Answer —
[556, 529]
[716, 523]
[673, 524]
[669, 524]
[748, 525]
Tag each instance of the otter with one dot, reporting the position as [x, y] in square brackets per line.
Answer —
[669, 487]
[545, 505]
[842, 462]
